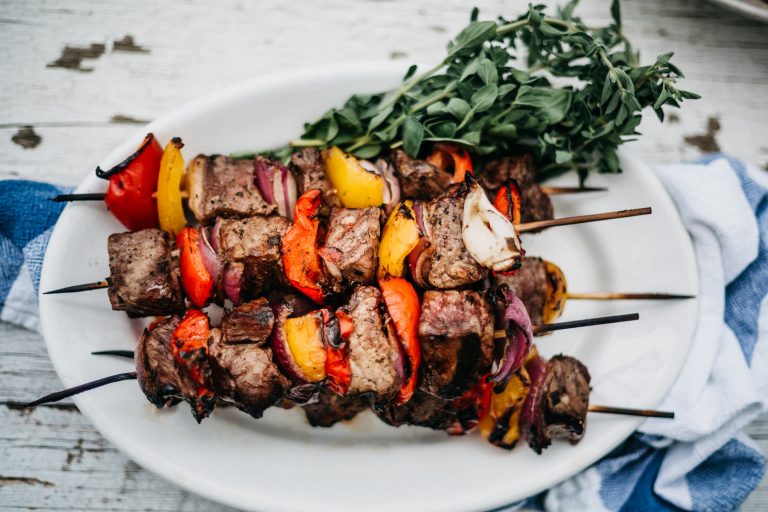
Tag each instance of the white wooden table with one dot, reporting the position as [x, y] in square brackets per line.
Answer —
[50, 457]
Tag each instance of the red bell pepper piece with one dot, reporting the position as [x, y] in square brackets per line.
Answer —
[197, 282]
[507, 201]
[403, 306]
[462, 163]
[473, 406]
[190, 350]
[132, 185]
[300, 258]
[338, 373]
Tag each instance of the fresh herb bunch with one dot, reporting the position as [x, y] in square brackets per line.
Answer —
[476, 96]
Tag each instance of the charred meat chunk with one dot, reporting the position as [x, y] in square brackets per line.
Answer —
[531, 284]
[251, 322]
[308, 168]
[422, 410]
[565, 401]
[449, 264]
[350, 252]
[161, 379]
[419, 179]
[220, 186]
[245, 374]
[255, 243]
[374, 353]
[456, 334]
[332, 408]
[534, 203]
[143, 280]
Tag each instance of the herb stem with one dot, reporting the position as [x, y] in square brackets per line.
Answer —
[306, 143]
[399, 92]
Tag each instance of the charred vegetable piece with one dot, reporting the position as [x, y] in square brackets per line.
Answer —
[534, 203]
[169, 206]
[337, 330]
[507, 201]
[300, 244]
[501, 426]
[488, 235]
[403, 307]
[450, 155]
[557, 292]
[143, 279]
[305, 342]
[190, 351]
[398, 239]
[511, 316]
[355, 186]
[197, 282]
[132, 186]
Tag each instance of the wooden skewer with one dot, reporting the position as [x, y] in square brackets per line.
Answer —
[66, 393]
[553, 191]
[627, 296]
[581, 219]
[648, 413]
[80, 287]
[128, 354]
[93, 196]
[538, 329]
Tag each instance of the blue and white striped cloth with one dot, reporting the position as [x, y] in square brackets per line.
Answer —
[701, 460]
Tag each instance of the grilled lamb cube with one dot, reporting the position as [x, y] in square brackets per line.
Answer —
[255, 243]
[308, 168]
[456, 334]
[143, 275]
[160, 378]
[332, 408]
[449, 265]
[531, 284]
[534, 203]
[419, 179]
[246, 375]
[565, 404]
[374, 353]
[251, 322]
[351, 247]
[220, 186]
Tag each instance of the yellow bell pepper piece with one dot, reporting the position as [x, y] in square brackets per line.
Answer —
[557, 291]
[399, 237]
[306, 345]
[169, 207]
[356, 187]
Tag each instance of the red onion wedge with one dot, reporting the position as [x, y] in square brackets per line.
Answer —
[284, 190]
[531, 419]
[214, 238]
[232, 281]
[420, 256]
[517, 344]
[210, 258]
[282, 350]
[264, 174]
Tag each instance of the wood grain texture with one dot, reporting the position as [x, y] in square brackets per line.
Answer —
[51, 458]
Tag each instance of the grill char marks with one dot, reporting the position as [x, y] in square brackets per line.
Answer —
[246, 375]
[449, 265]
[373, 352]
[220, 186]
[419, 179]
[308, 168]
[144, 279]
[535, 204]
[255, 243]
[350, 253]
[456, 333]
